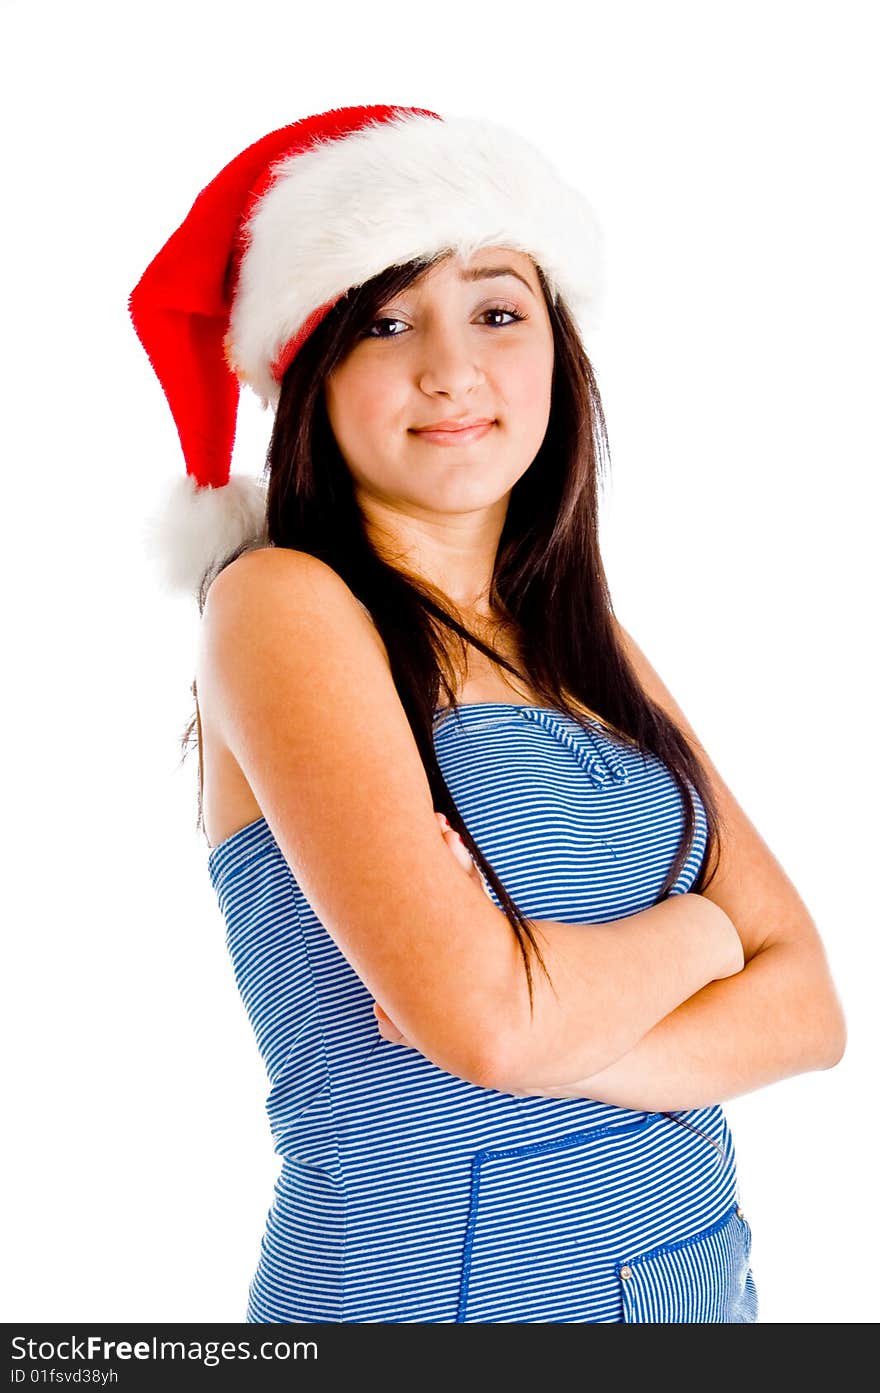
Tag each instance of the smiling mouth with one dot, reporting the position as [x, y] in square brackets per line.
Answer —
[454, 437]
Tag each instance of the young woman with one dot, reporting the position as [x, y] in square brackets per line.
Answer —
[504, 935]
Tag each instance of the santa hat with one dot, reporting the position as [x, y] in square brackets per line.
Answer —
[303, 215]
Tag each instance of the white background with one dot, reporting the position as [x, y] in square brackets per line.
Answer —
[729, 150]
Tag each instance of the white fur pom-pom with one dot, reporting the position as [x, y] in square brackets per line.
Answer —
[194, 528]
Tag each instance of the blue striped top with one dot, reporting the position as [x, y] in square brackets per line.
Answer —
[407, 1194]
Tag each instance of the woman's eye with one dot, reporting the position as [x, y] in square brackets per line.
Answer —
[383, 321]
[512, 315]
[500, 309]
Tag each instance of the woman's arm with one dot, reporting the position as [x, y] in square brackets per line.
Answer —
[780, 1016]
[645, 959]
[610, 984]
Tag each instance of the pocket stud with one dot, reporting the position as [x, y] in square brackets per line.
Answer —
[626, 1272]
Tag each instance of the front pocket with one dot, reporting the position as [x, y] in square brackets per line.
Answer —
[537, 1221]
[703, 1278]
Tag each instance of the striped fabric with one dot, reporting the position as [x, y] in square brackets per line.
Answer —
[406, 1194]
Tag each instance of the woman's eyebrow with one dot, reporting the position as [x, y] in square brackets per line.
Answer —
[478, 273]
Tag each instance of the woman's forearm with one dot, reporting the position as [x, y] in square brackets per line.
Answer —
[611, 984]
[776, 1018]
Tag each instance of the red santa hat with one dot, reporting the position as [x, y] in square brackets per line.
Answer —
[303, 215]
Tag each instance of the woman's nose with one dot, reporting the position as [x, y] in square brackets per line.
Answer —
[450, 363]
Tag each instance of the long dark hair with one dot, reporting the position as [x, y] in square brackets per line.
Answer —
[549, 583]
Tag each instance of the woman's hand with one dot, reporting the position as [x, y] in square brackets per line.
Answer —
[387, 1029]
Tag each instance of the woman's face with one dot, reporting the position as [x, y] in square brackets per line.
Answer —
[455, 344]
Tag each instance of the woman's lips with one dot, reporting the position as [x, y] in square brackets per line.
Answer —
[454, 437]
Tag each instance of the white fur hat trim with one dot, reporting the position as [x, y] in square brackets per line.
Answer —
[195, 528]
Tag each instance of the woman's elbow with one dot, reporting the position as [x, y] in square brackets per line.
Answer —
[820, 1010]
[835, 1040]
[831, 1036]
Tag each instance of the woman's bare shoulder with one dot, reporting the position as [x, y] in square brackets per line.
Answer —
[269, 562]
[255, 577]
